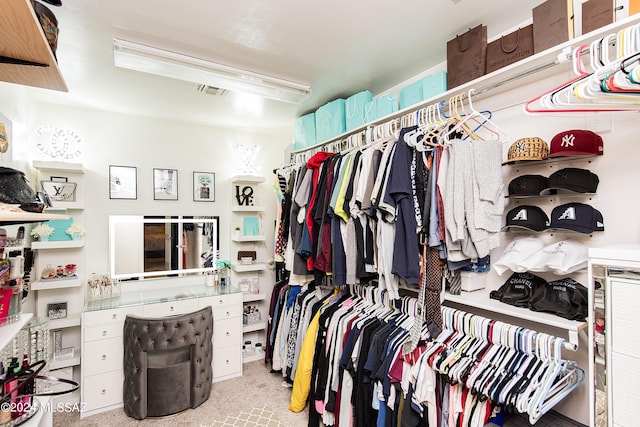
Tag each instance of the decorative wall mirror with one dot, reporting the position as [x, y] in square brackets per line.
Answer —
[158, 246]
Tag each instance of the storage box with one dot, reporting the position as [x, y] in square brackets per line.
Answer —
[330, 120]
[371, 111]
[355, 109]
[386, 104]
[305, 131]
[425, 88]
[472, 281]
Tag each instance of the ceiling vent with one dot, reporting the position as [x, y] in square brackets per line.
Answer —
[210, 90]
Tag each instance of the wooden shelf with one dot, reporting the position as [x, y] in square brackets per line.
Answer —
[258, 326]
[480, 300]
[244, 268]
[248, 178]
[58, 244]
[252, 297]
[43, 285]
[23, 38]
[248, 238]
[68, 322]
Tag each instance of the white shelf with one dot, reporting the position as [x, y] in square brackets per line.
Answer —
[480, 299]
[44, 285]
[20, 216]
[258, 326]
[252, 357]
[68, 322]
[38, 418]
[252, 297]
[248, 209]
[7, 332]
[59, 166]
[58, 244]
[65, 363]
[600, 360]
[244, 268]
[248, 178]
[248, 238]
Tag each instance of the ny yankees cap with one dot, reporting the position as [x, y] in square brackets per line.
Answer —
[527, 217]
[573, 180]
[527, 185]
[576, 143]
[578, 217]
[532, 148]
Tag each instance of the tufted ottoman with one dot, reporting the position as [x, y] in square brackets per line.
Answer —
[167, 363]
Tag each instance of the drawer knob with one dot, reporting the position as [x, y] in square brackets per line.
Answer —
[228, 314]
[220, 301]
[227, 361]
[104, 333]
[114, 316]
[171, 308]
[227, 333]
[104, 391]
[104, 357]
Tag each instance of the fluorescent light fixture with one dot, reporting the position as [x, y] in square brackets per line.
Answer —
[147, 59]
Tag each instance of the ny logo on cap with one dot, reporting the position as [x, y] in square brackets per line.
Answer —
[521, 147]
[567, 140]
[569, 213]
[520, 216]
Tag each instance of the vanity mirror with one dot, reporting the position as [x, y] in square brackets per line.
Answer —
[155, 246]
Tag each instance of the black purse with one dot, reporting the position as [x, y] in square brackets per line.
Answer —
[15, 190]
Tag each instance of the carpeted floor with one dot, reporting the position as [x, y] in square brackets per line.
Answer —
[255, 399]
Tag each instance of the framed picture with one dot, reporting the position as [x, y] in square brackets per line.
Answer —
[57, 310]
[204, 187]
[165, 184]
[59, 190]
[123, 182]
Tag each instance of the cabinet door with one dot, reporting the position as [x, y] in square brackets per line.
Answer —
[101, 332]
[170, 308]
[227, 361]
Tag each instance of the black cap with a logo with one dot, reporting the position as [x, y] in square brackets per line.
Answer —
[527, 217]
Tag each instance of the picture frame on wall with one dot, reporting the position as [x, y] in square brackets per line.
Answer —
[204, 186]
[123, 182]
[165, 184]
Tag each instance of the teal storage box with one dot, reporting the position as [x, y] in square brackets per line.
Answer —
[60, 229]
[330, 120]
[305, 131]
[434, 84]
[387, 104]
[423, 89]
[371, 111]
[354, 109]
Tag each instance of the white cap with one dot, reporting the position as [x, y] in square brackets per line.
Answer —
[563, 257]
[516, 252]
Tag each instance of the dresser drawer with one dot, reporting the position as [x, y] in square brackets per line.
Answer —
[102, 356]
[227, 312]
[102, 390]
[111, 330]
[227, 361]
[115, 315]
[227, 333]
[221, 300]
[170, 308]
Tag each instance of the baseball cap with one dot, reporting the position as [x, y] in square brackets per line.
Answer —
[518, 288]
[531, 148]
[572, 179]
[578, 217]
[576, 142]
[565, 298]
[515, 252]
[563, 257]
[527, 217]
[527, 185]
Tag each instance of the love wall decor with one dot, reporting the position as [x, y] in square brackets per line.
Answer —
[59, 190]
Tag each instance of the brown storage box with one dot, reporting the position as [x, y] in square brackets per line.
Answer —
[552, 24]
[510, 49]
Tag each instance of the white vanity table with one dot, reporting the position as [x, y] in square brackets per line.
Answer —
[102, 343]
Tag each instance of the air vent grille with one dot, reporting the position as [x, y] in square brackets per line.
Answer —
[210, 90]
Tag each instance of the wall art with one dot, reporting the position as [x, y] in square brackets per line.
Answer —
[204, 187]
[165, 184]
[123, 182]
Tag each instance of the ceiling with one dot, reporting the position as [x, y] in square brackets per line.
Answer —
[338, 47]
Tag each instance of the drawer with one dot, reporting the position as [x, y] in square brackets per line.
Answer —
[99, 391]
[221, 300]
[227, 361]
[111, 330]
[170, 308]
[102, 356]
[115, 315]
[227, 312]
[227, 333]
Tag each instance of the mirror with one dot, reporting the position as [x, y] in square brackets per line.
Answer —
[155, 246]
